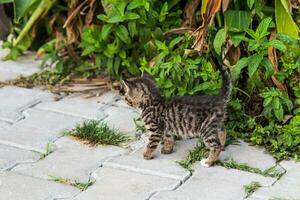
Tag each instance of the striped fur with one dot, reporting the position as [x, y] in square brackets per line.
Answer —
[184, 117]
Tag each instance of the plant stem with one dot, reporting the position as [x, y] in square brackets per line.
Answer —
[40, 11]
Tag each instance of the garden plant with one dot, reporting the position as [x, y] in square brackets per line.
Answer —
[174, 40]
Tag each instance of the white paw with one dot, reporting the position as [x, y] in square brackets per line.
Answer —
[203, 163]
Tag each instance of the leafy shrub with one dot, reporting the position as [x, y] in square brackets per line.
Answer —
[282, 141]
[259, 41]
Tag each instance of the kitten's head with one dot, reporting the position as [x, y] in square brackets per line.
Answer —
[140, 91]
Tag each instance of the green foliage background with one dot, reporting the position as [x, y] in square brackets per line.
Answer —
[128, 37]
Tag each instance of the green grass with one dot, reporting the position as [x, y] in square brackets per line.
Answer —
[96, 132]
[75, 183]
[251, 188]
[232, 164]
[200, 152]
[194, 155]
[50, 147]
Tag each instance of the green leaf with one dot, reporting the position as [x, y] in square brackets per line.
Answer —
[134, 4]
[116, 19]
[6, 1]
[123, 34]
[267, 101]
[284, 21]
[268, 66]
[219, 41]
[116, 66]
[163, 12]
[275, 103]
[250, 3]
[237, 68]
[254, 62]
[102, 17]
[132, 16]
[237, 20]
[175, 41]
[161, 45]
[297, 111]
[263, 26]
[106, 30]
[22, 7]
[132, 28]
[89, 49]
[277, 44]
[279, 112]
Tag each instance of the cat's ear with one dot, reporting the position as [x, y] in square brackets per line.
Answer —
[146, 75]
[127, 85]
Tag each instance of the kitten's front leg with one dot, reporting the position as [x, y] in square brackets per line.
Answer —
[168, 144]
[154, 139]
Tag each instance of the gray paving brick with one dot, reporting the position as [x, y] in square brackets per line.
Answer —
[13, 100]
[253, 156]
[214, 183]
[89, 108]
[72, 159]
[25, 65]
[287, 187]
[121, 118]
[161, 165]
[115, 184]
[10, 156]
[18, 187]
[28, 137]
[50, 121]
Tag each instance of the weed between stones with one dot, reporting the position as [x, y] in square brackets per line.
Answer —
[96, 132]
[75, 183]
[200, 152]
[251, 188]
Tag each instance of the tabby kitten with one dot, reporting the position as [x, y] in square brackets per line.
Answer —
[188, 116]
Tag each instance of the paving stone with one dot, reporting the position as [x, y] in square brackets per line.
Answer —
[3, 125]
[214, 183]
[25, 65]
[10, 156]
[109, 97]
[162, 165]
[121, 118]
[17, 187]
[251, 155]
[51, 121]
[77, 106]
[114, 184]
[13, 100]
[121, 103]
[287, 187]
[72, 159]
[28, 137]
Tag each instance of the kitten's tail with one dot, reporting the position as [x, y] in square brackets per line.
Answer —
[225, 91]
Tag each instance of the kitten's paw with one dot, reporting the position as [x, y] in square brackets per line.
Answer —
[166, 151]
[148, 155]
[204, 163]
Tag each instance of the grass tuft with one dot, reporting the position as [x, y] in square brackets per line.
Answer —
[251, 188]
[200, 151]
[50, 147]
[232, 164]
[194, 155]
[75, 183]
[96, 132]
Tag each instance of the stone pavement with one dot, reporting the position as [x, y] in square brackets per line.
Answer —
[32, 122]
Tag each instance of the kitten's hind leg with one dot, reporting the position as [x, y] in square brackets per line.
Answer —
[222, 137]
[214, 144]
[154, 140]
[168, 144]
